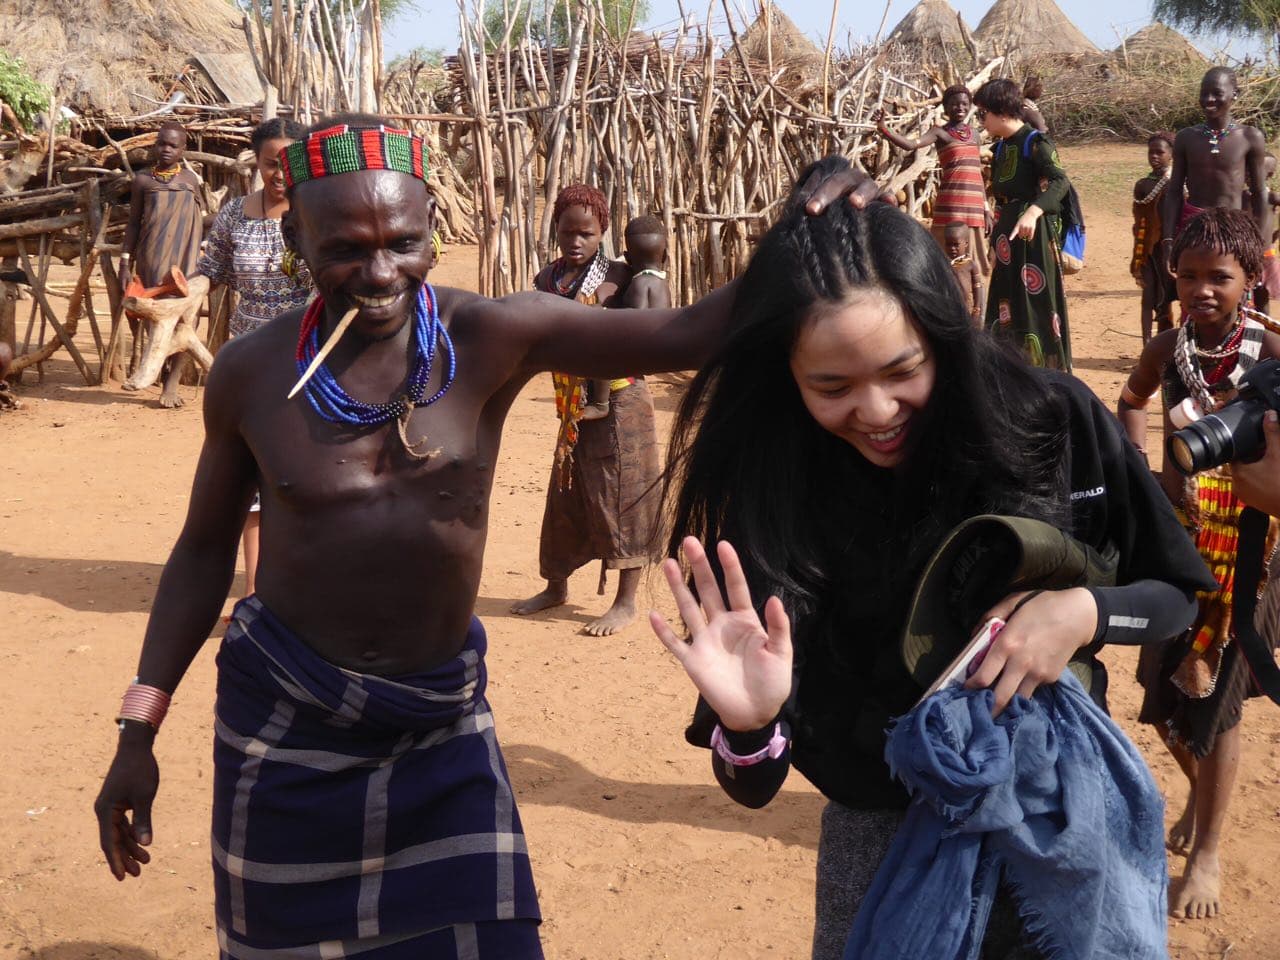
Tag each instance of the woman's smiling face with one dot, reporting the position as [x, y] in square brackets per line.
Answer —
[865, 372]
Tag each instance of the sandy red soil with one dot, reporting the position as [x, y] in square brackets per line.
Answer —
[636, 851]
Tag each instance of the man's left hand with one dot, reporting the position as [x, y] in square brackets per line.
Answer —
[1036, 643]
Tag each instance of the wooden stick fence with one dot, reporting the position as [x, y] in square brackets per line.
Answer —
[683, 126]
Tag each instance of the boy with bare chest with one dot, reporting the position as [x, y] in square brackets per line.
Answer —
[1214, 162]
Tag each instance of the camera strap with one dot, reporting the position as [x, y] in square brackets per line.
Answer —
[1249, 560]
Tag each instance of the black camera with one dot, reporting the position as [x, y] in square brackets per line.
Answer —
[1235, 431]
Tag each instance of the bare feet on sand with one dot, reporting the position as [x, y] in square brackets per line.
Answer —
[557, 592]
[617, 617]
[1197, 897]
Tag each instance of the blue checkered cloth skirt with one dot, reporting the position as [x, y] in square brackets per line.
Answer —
[355, 814]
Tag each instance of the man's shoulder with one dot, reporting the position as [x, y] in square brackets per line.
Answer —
[465, 310]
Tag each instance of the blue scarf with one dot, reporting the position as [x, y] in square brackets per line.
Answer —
[1052, 792]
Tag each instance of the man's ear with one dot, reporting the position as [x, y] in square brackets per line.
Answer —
[431, 212]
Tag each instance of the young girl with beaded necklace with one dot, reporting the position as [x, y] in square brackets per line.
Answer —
[1195, 684]
[962, 194]
[601, 500]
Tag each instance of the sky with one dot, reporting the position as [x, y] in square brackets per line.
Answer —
[434, 23]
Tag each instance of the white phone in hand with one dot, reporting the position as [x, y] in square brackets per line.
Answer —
[968, 661]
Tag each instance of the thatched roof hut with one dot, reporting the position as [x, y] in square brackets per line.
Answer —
[774, 37]
[929, 22]
[1030, 28]
[118, 57]
[1158, 45]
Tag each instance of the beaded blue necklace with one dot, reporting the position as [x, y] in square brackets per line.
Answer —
[334, 404]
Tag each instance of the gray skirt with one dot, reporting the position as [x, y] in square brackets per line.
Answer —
[850, 848]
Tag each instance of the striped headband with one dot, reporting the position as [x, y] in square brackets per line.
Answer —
[341, 149]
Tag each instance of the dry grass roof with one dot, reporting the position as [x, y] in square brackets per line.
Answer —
[1029, 28]
[774, 32]
[1156, 45]
[929, 21]
[109, 56]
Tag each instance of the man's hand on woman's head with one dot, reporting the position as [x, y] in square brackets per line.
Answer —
[833, 179]
[1258, 484]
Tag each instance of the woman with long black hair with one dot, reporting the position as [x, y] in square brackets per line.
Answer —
[851, 420]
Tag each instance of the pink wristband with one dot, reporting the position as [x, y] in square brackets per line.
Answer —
[770, 751]
[145, 704]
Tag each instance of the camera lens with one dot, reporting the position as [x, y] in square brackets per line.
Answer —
[1204, 444]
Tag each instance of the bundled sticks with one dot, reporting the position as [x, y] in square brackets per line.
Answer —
[699, 132]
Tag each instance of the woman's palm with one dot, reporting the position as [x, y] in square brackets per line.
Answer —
[741, 667]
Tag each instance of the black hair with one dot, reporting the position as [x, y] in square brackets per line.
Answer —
[1230, 232]
[173, 125]
[647, 225]
[1225, 72]
[1164, 135]
[956, 227]
[954, 91]
[1001, 97]
[277, 128]
[814, 522]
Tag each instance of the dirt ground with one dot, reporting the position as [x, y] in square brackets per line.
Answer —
[636, 851]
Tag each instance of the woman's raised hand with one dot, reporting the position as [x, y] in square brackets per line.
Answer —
[741, 667]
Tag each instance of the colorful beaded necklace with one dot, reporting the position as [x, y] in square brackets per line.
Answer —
[1216, 135]
[166, 174]
[960, 132]
[334, 404]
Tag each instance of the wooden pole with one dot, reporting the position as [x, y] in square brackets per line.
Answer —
[64, 335]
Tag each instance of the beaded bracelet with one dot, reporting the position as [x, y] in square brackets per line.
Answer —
[144, 704]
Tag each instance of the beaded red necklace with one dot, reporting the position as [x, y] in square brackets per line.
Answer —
[954, 132]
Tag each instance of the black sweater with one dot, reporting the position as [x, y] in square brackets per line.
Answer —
[844, 696]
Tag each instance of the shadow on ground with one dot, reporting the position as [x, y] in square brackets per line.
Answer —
[82, 950]
[546, 778]
[101, 586]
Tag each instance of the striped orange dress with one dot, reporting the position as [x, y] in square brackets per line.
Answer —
[962, 194]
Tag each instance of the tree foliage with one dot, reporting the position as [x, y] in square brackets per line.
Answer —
[1258, 17]
[29, 99]
[549, 22]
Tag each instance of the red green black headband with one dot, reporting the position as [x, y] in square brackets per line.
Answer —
[340, 149]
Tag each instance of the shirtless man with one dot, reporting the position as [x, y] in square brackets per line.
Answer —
[1216, 162]
[351, 809]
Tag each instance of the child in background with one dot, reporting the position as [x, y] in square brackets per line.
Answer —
[966, 270]
[1146, 265]
[1195, 684]
[646, 255]
[602, 499]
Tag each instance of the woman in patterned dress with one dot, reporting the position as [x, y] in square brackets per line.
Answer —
[962, 195]
[1025, 299]
[245, 250]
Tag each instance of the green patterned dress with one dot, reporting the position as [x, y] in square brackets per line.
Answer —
[1025, 302]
